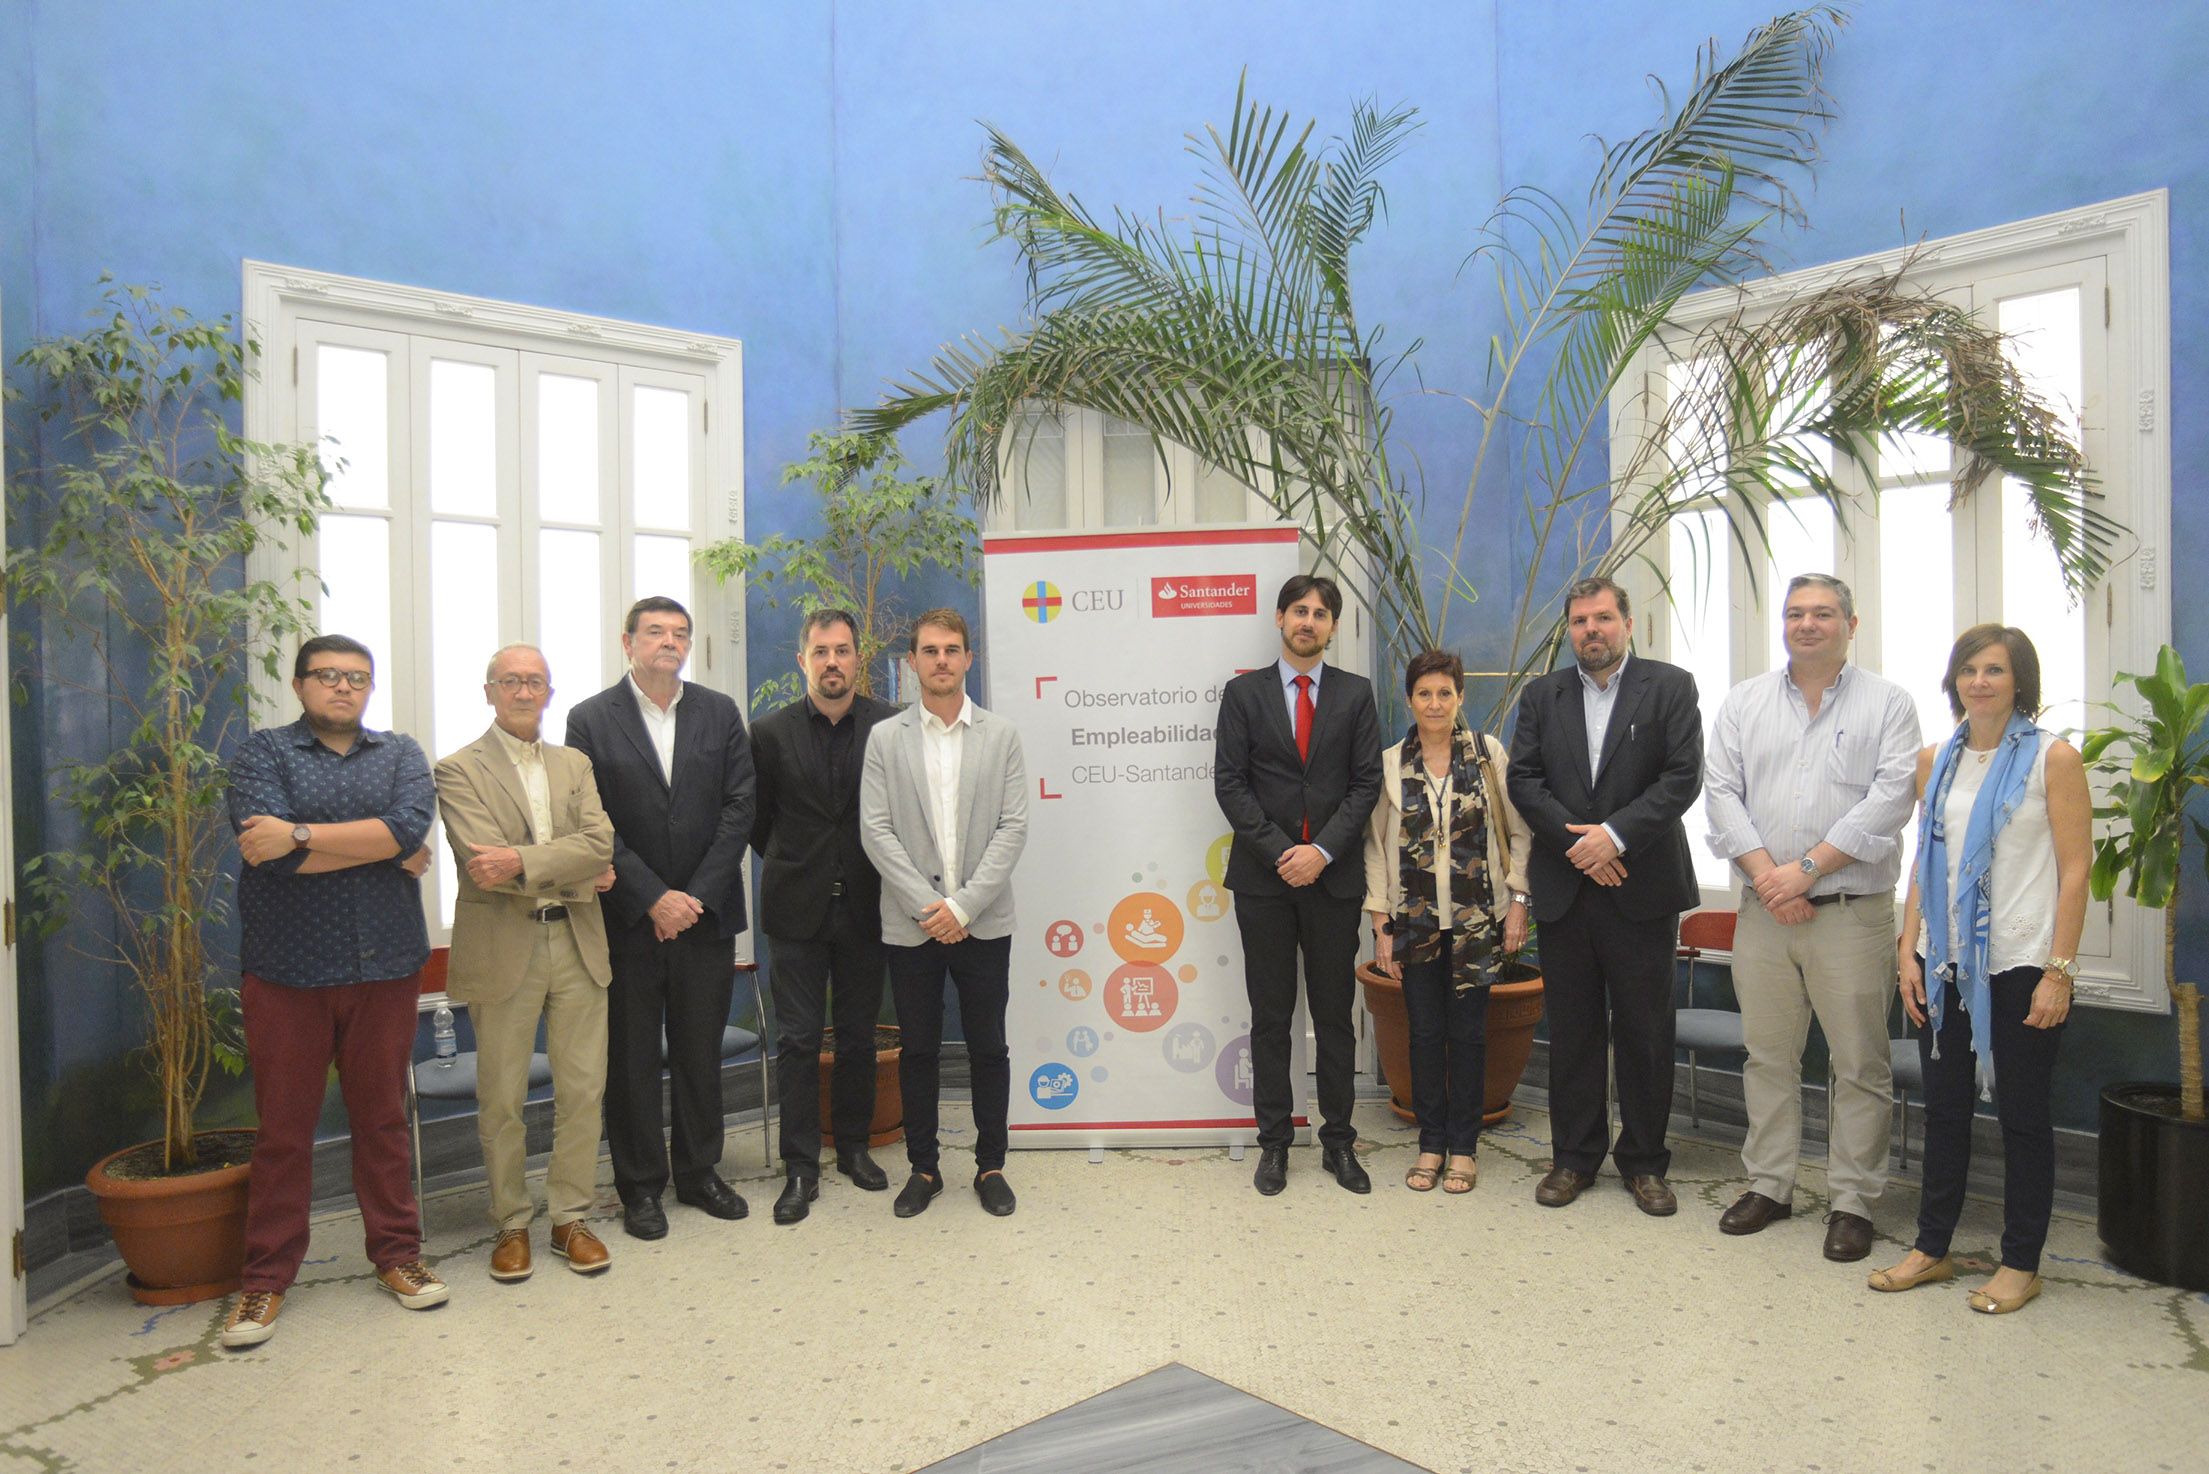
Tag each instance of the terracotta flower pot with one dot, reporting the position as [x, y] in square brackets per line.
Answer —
[1514, 1008]
[888, 1124]
[181, 1237]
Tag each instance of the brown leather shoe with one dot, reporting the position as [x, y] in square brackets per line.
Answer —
[1848, 1237]
[510, 1255]
[1561, 1186]
[576, 1243]
[1652, 1194]
[1751, 1212]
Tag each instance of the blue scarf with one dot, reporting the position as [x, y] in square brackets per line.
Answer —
[2008, 773]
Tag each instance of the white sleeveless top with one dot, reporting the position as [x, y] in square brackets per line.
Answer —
[2021, 920]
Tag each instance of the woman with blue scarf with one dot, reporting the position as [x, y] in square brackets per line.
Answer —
[2004, 848]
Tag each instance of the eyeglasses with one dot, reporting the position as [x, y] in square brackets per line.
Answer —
[331, 676]
[534, 685]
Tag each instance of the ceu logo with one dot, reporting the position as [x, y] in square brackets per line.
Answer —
[1053, 1086]
[1041, 602]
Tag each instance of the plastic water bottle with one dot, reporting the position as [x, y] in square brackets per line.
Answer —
[442, 1037]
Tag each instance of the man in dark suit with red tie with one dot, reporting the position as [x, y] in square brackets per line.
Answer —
[1606, 758]
[1297, 769]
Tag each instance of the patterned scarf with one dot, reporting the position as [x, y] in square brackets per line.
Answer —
[1472, 896]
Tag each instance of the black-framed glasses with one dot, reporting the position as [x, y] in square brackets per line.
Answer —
[331, 676]
[511, 683]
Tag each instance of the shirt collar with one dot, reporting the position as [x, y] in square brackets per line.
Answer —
[1587, 682]
[302, 735]
[965, 718]
[1840, 678]
[644, 700]
[1289, 673]
[816, 714]
[516, 749]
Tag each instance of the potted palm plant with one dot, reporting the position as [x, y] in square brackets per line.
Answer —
[2154, 1141]
[129, 535]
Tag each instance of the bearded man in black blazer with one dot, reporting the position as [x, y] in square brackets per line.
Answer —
[820, 904]
[1297, 770]
[1607, 756]
[674, 771]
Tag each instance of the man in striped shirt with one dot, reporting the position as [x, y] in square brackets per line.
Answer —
[1808, 787]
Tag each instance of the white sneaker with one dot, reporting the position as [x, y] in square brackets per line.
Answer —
[252, 1318]
[413, 1283]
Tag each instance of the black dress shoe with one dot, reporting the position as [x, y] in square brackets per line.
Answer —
[713, 1195]
[860, 1168]
[797, 1194]
[643, 1218]
[1752, 1211]
[995, 1193]
[1342, 1161]
[1273, 1170]
[918, 1192]
[1848, 1237]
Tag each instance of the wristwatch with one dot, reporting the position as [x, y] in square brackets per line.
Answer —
[2068, 966]
[300, 834]
[1809, 867]
[1521, 898]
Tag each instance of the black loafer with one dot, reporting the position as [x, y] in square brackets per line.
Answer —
[1342, 1161]
[1273, 1170]
[995, 1193]
[913, 1199]
[797, 1195]
[643, 1218]
[860, 1168]
[714, 1196]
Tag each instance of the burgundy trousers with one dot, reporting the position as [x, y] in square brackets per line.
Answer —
[292, 1036]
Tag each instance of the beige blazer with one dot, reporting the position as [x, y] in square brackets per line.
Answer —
[480, 798]
[1384, 882]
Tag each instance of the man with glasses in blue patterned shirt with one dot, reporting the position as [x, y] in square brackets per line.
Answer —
[331, 819]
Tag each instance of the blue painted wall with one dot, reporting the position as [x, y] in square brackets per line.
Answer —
[797, 175]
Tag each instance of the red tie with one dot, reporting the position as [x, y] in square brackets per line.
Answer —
[1304, 734]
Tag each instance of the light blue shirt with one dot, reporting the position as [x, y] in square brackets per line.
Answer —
[1596, 705]
[1288, 674]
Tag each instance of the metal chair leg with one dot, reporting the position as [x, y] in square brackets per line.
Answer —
[1694, 1094]
[766, 1082]
[414, 1124]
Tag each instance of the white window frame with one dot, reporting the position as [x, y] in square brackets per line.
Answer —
[2129, 448]
[280, 299]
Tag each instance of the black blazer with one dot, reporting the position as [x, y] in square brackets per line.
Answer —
[1267, 792]
[1651, 771]
[807, 829]
[688, 835]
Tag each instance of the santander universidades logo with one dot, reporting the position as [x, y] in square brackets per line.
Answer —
[1197, 594]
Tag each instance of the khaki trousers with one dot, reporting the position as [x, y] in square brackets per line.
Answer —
[1839, 965]
[558, 986]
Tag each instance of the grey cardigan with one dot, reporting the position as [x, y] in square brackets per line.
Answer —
[899, 834]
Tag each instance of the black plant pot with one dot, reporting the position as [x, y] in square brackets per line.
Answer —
[2154, 1186]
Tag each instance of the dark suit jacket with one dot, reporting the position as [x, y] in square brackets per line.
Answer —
[1266, 791]
[807, 828]
[1652, 769]
[689, 835]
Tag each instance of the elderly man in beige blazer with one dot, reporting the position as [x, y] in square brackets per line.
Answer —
[534, 848]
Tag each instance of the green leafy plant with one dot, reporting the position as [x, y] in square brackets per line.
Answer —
[1234, 332]
[2158, 763]
[880, 525]
[130, 534]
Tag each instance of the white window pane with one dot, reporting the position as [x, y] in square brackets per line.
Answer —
[464, 630]
[1702, 638]
[1917, 600]
[663, 567]
[570, 629]
[1910, 456]
[567, 449]
[354, 558]
[1037, 472]
[1220, 497]
[2043, 341]
[352, 417]
[1130, 475]
[464, 438]
[2043, 335]
[1695, 436]
[660, 436]
[1800, 530]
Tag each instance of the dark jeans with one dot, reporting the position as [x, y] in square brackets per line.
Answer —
[1324, 929]
[844, 965]
[2024, 1074]
[678, 992]
[1449, 1056]
[977, 968]
[1607, 988]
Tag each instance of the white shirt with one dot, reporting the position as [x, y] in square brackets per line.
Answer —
[1596, 705]
[2021, 909]
[942, 744]
[1440, 791]
[1288, 674]
[1779, 779]
[660, 727]
[529, 763]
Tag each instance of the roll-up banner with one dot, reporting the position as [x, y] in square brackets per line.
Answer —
[1128, 1023]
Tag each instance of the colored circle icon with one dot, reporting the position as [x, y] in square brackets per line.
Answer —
[1215, 858]
[1053, 1086]
[1062, 938]
[1207, 902]
[1141, 997]
[1144, 927]
[1189, 1047]
[1074, 984]
[1233, 1071]
[1082, 1041]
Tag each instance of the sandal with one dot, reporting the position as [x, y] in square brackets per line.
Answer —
[1456, 1182]
[1422, 1179]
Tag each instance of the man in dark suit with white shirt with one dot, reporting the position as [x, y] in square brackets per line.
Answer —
[674, 771]
[1606, 758]
[1297, 770]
